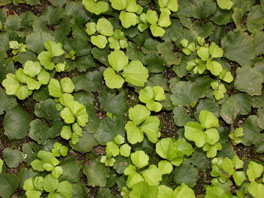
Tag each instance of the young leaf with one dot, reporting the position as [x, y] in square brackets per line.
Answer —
[128, 19]
[95, 7]
[91, 28]
[165, 167]
[118, 4]
[134, 134]
[136, 74]
[50, 183]
[66, 133]
[125, 150]
[65, 189]
[118, 60]
[112, 149]
[215, 51]
[254, 171]
[140, 159]
[138, 114]
[203, 53]
[225, 4]
[152, 175]
[183, 191]
[54, 48]
[208, 120]
[194, 132]
[67, 85]
[45, 60]
[151, 128]
[11, 84]
[54, 88]
[32, 68]
[112, 80]
[157, 31]
[104, 27]
[214, 67]
[99, 41]
[67, 116]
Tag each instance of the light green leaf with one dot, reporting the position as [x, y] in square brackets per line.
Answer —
[23, 92]
[112, 149]
[215, 51]
[136, 74]
[134, 134]
[157, 31]
[65, 189]
[194, 132]
[32, 84]
[118, 4]
[67, 115]
[104, 27]
[226, 76]
[159, 93]
[32, 68]
[12, 157]
[138, 114]
[11, 84]
[165, 167]
[254, 171]
[91, 28]
[118, 60]
[151, 128]
[99, 41]
[146, 94]
[212, 136]
[173, 5]
[225, 4]
[95, 7]
[54, 48]
[203, 53]
[239, 177]
[164, 19]
[128, 19]
[152, 17]
[183, 191]
[208, 119]
[45, 60]
[152, 175]
[66, 132]
[43, 77]
[113, 80]
[50, 183]
[164, 192]
[140, 159]
[54, 88]
[67, 85]
[125, 150]
[256, 189]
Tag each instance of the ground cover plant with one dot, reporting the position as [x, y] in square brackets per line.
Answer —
[131, 98]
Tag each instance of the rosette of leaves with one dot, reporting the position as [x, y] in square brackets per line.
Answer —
[17, 48]
[46, 57]
[236, 136]
[59, 150]
[35, 187]
[158, 23]
[46, 161]
[122, 70]
[104, 28]
[151, 175]
[204, 134]
[206, 57]
[129, 10]
[142, 123]
[188, 48]
[115, 148]
[150, 96]
[95, 7]
[118, 40]
[26, 80]
[219, 90]
[173, 150]
[224, 169]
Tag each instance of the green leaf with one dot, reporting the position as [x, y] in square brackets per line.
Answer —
[186, 173]
[165, 167]
[11, 84]
[47, 109]
[38, 131]
[54, 88]
[254, 171]
[146, 94]
[99, 41]
[152, 17]
[16, 123]
[7, 102]
[194, 132]
[164, 192]
[138, 114]
[135, 73]
[215, 51]
[95, 7]
[249, 80]
[215, 192]
[256, 189]
[91, 28]
[134, 134]
[125, 150]
[208, 120]
[35, 41]
[50, 183]
[43, 77]
[142, 189]
[128, 19]
[212, 136]
[11, 157]
[113, 80]
[8, 185]
[54, 48]
[86, 143]
[239, 177]
[152, 175]
[164, 19]
[239, 47]
[203, 53]
[151, 128]
[104, 27]
[225, 4]
[234, 106]
[65, 189]
[67, 85]
[255, 19]
[45, 60]
[214, 67]
[112, 149]
[183, 191]
[140, 159]
[118, 4]
[157, 31]
[32, 68]
[67, 116]
[1, 165]
[96, 173]
[118, 60]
